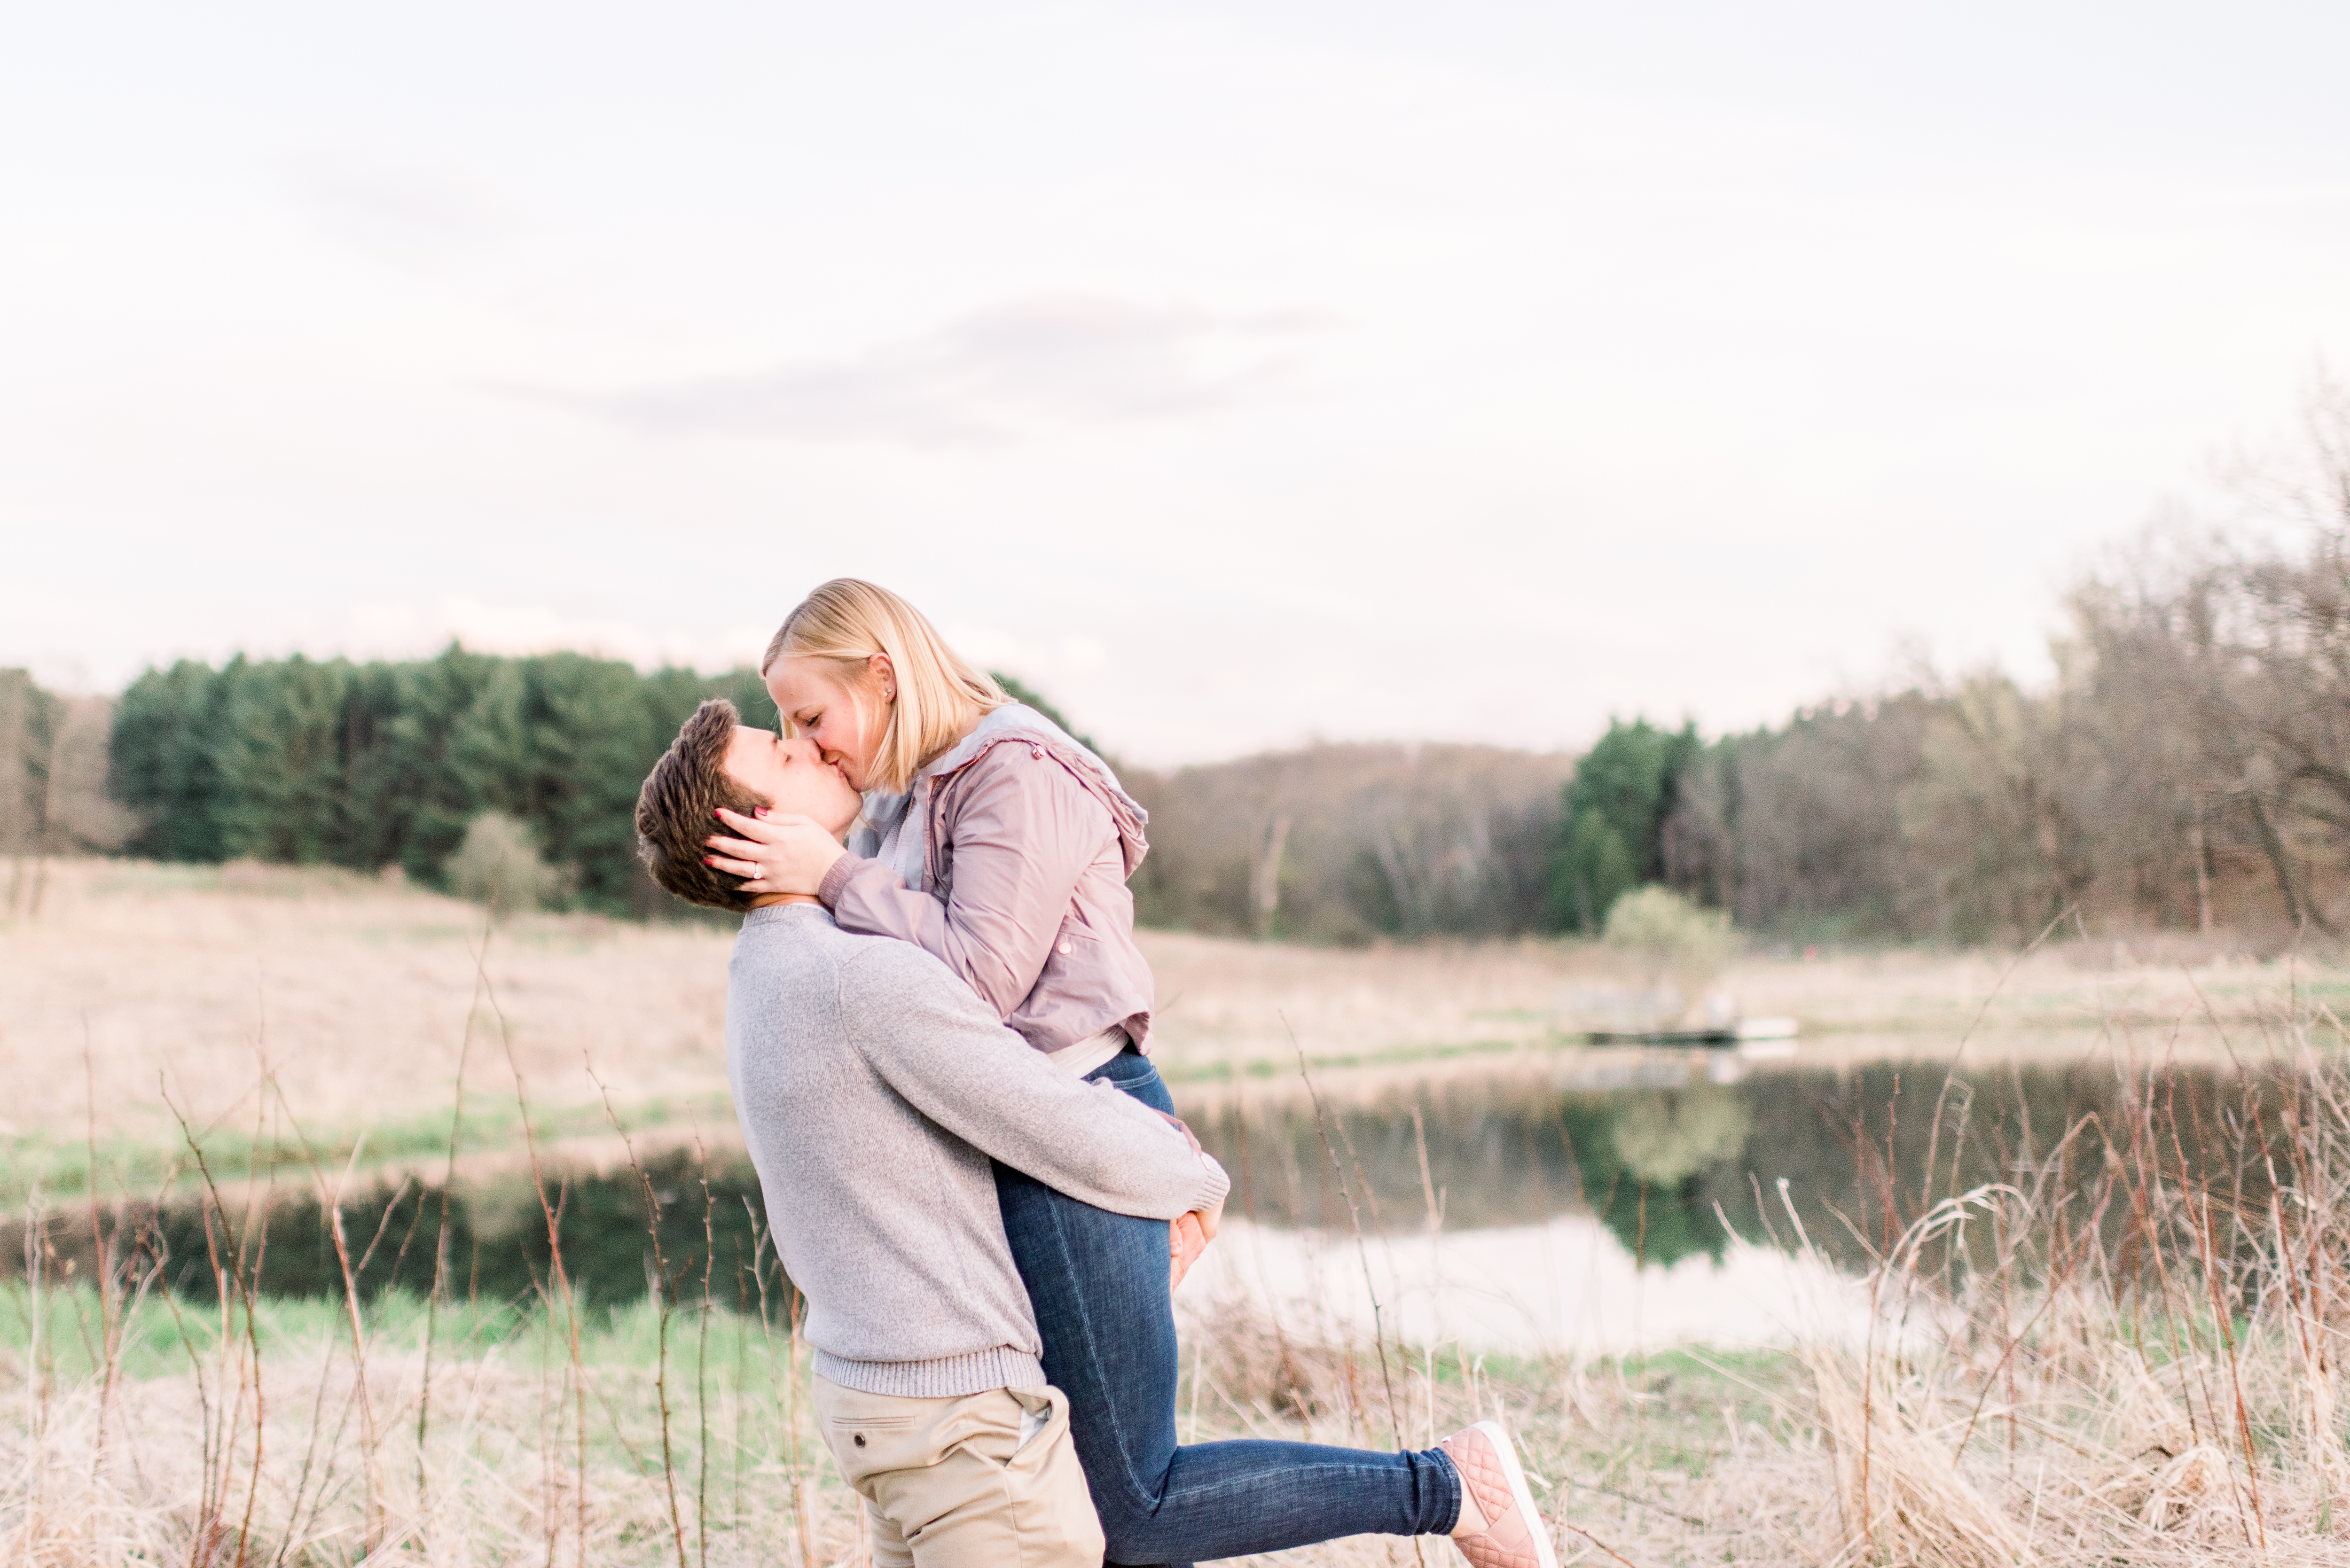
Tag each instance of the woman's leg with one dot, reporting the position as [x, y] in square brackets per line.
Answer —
[1098, 1283]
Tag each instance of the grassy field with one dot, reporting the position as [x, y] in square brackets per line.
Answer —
[2145, 1371]
[146, 994]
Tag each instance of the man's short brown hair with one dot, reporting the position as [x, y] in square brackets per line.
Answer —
[677, 809]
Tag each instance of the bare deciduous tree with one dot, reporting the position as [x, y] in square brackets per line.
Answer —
[1345, 843]
[2188, 767]
[53, 774]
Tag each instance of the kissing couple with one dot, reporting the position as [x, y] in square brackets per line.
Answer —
[937, 1028]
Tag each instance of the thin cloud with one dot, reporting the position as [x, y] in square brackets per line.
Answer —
[1016, 369]
[410, 216]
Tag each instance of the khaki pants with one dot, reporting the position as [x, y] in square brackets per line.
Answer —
[949, 1484]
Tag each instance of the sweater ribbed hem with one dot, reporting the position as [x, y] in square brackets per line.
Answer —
[947, 1377]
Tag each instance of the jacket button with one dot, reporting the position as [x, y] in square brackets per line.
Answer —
[860, 1439]
[1065, 947]
[1036, 751]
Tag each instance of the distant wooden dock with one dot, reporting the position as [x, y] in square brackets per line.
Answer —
[1716, 1035]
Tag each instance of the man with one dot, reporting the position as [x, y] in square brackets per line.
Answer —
[873, 1088]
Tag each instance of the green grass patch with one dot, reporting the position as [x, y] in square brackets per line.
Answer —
[60, 1168]
[62, 1331]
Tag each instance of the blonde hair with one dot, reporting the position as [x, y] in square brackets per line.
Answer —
[846, 622]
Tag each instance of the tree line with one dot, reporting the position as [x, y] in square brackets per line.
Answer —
[1342, 844]
[2187, 769]
[370, 765]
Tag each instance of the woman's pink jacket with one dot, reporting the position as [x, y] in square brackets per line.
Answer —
[1029, 841]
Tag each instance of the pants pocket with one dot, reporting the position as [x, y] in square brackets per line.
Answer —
[1043, 1413]
[869, 1434]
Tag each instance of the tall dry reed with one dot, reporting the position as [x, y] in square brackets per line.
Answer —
[2129, 1352]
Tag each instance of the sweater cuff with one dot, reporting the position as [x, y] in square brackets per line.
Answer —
[828, 891]
[1219, 1186]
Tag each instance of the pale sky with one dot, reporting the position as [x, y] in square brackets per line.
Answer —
[1238, 373]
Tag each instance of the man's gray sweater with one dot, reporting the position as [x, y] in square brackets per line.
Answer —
[873, 1087]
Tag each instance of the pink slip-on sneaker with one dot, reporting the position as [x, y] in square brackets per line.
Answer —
[1514, 1535]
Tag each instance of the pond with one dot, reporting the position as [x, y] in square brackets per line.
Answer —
[1524, 1207]
[1535, 1209]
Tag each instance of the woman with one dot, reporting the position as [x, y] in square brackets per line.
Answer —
[1000, 845]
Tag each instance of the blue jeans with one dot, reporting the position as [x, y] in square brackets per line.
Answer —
[1098, 1282]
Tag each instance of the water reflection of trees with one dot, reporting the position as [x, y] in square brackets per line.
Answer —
[280, 1242]
[1481, 1154]
[1663, 1169]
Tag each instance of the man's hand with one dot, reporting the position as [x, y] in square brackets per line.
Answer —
[775, 854]
[1188, 1237]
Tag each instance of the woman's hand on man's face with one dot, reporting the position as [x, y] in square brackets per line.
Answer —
[774, 853]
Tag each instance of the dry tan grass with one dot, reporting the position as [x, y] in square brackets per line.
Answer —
[358, 995]
[278, 1459]
[1766, 1460]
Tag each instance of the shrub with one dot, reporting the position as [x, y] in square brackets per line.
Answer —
[1670, 938]
[498, 866]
